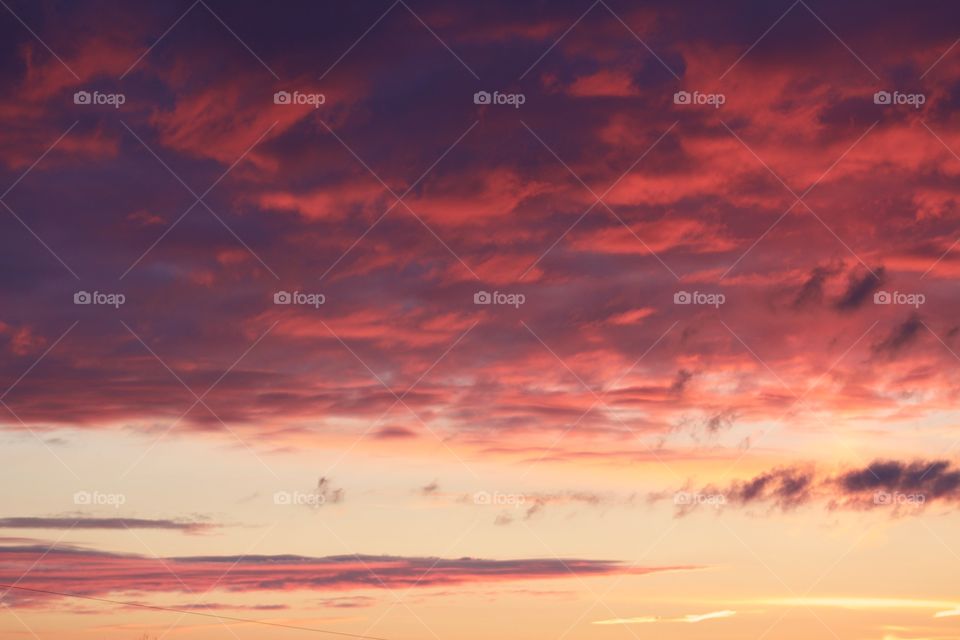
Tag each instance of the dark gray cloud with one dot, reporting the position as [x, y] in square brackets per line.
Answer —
[902, 335]
[811, 292]
[680, 382]
[785, 488]
[722, 419]
[31, 522]
[860, 288]
[882, 483]
[937, 479]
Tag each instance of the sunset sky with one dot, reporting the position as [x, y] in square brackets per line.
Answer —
[438, 320]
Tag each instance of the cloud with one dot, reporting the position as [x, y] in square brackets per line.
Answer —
[680, 383]
[83, 522]
[219, 606]
[947, 607]
[897, 486]
[860, 288]
[394, 433]
[811, 293]
[904, 334]
[347, 602]
[723, 419]
[487, 208]
[327, 492]
[430, 488]
[689, 618]
[934, 479]
[400, 293]
[89, 572]
[783, 487]
[527, 506]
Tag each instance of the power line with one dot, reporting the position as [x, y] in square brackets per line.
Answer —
[187, 612]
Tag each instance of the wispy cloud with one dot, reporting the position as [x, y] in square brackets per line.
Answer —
[83, 522]
[689, 618]
[89, 572]
[942, 608]
[897, 485]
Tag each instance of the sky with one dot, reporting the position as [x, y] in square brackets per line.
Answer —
[420, 320]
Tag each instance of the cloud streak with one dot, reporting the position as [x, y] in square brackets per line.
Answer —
[690, 618]
[68, 523]
[88, 572]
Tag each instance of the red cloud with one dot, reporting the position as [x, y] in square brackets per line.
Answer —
[90, 573]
